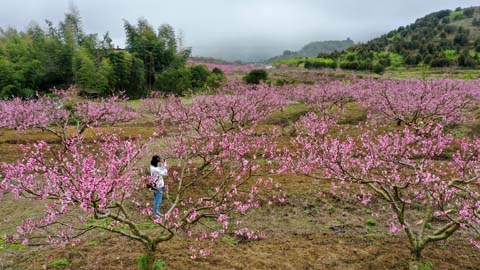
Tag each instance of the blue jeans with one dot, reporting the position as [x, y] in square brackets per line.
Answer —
[157, 200]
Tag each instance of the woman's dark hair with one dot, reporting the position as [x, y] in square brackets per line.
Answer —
[155, 161]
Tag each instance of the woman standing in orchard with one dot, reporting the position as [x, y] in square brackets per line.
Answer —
[157, 172]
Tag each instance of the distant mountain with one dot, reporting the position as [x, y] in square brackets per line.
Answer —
[313, 49]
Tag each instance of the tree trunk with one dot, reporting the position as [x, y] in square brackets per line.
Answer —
[415, 261]
[147, 262]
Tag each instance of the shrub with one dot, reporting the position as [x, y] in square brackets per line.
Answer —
[175, 81]
[365, 65]
[199, 75]
[378, 68]
[468, 12]
[456, 15]
[413, 59]
[428, 59]
[461, 39]
[255, 76]
[467, 61]
[352, 65]
[320, 63]
[217, 71]
[13, 91]
[215, 80]
[450, 55]
[439, 61]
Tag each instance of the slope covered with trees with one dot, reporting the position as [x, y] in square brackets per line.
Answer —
[440, 39]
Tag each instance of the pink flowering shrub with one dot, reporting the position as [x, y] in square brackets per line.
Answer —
[415, 102]
[219, 170]
[224, 111]
[57, 115]
[404, 168]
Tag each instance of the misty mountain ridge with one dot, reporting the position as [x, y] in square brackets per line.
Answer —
[314, 48]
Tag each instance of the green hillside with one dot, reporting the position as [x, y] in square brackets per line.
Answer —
[440, 39]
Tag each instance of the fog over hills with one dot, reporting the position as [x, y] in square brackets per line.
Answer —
[245, 30]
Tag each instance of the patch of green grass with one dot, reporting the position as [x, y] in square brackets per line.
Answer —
[426, 266]
[92, 244]
[354, 114]
[158, 265]
[59, 263]
[230, 240]
[371, 222]
[332, 209]
[374, 235]
[142, 262]
[147, 226]
[7, 246]
[288, 115]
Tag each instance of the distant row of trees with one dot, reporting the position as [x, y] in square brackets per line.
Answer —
[39, 59]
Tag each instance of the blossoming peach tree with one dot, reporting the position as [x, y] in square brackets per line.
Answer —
[416, 102]
[63, 116]
[430, 180]
[215, 174]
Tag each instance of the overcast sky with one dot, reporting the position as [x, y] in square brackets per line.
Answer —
[236, 29]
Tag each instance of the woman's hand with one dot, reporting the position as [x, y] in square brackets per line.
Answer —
[165, 163]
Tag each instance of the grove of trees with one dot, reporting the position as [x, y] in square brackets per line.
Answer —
[40, 58]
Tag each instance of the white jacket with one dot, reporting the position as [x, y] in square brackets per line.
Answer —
[157, 173]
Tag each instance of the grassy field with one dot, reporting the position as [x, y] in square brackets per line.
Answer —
[315, 230]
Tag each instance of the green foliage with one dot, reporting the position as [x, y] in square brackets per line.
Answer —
[175, 81]
[320, 63]
[84, 70]
[378, 68]
[450, 55]
[425, 40]
[231, 241]
[199, 75]
[371, 222]
[179, 81]
[256, 76]
[466, 59]
[468, 12]
[39, 59]
[215, 80]
[158, 265]
[59, 263]
[7, 246]
[142, 262]
[426, 266]
[218, 71]
[396, 60]
[292, 62]
[456, 15]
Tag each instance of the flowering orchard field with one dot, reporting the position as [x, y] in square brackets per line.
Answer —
[259, 177]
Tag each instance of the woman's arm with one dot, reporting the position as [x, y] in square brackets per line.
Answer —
[162, 171]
